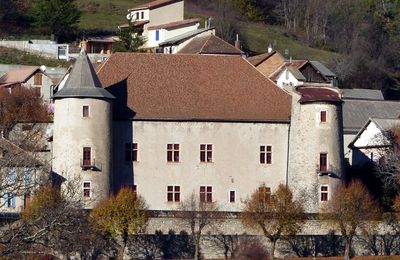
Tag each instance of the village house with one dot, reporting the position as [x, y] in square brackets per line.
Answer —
[161, 20]
[30, 77]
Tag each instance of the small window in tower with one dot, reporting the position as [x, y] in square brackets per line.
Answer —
[87, 189]
[87, 154]
[232, 196]
[324, 193]
[323, 116]
[85, 111]
[323, 162]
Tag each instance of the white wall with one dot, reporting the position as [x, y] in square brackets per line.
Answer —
[168, 34]
[284, 81]
[235, 166]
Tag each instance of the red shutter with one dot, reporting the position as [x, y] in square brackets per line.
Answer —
[87, 151]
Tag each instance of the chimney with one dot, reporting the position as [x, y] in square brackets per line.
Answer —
[269, 48]
[237, 42]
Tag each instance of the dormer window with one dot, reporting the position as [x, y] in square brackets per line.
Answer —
[85, 111]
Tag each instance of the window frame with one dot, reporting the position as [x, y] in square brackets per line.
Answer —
[173, 153]
[323, 116]
[265, 154]
[131, 152]
[174, 193]
[323, 157]
[206, 153]
[230, 196]
[206, 195]
[84, 155]
[85, 111]
[324, 194]
[88, 189]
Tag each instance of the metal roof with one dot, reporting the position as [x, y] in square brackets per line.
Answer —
[83, 82]
[296, 73]
[386, 123]
[318, 94]
[184, 36]
[357, 112]
[321, 68]
[366, 94]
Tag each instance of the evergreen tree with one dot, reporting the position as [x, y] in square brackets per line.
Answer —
[59, 17]
[131, 39]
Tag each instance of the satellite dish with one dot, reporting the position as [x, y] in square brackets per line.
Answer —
[43, 68]
[129, 16]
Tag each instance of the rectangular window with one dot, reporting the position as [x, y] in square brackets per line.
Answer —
[266, 154]
[85, 111]
[86, 189]
[172, 152]
[12, 176]
[232, 196]
[131, 152]
[137, 15]
[323, 162]
[205, 152]
[142, 15]
[9, 200]
[157, 35]
[173, 193]
[87, 155]
[324, 193]
[265, 193]
[37, 79]
[323, 116]
[205, 194]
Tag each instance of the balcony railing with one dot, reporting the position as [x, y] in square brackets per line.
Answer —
[90, 165]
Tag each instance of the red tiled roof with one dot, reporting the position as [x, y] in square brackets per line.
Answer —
[19, 74]
[154, 4]
[256, 60]
[318, 94]
[209, 44]
[191, 87]
[174, 24]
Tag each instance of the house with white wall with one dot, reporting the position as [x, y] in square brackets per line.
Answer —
[160, 21]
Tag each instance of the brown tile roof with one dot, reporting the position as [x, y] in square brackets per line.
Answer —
[174, 24]
[256, 60]
[318, 94]
[19, 74]
[154, 4]
[191, 87]
[209, 44]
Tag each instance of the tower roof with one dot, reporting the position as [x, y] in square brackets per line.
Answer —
[83, 82]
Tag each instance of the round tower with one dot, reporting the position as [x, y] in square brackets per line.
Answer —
[82, 135]
[316, 159]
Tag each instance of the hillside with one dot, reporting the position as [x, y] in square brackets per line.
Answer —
[107, 15]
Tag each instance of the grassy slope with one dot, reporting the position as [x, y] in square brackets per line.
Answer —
[104, 14]
[258, 37]
[13, 56]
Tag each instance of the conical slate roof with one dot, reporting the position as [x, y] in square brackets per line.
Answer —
[83, 82]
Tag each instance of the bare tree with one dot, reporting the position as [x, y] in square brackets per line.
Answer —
[275, 215]
[350, 210]
[197, 214]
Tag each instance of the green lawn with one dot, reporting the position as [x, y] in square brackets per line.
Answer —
[104, 14]
[258, 38]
